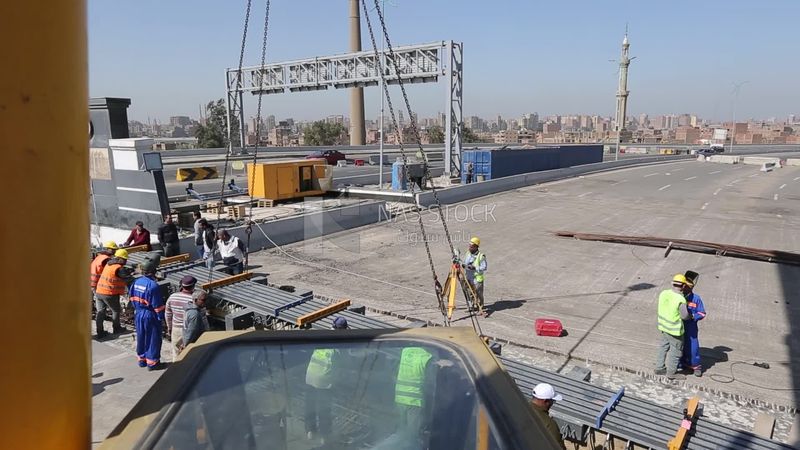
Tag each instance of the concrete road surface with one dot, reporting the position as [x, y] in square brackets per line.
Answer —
[605, 294]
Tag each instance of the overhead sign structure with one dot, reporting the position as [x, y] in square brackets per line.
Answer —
[424, 63]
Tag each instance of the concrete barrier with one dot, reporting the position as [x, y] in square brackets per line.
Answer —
[760, 160]
[724, 159]
[308, 226]
[457, 194]
[793, 161]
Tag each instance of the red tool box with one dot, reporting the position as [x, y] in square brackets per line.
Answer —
[549, 327]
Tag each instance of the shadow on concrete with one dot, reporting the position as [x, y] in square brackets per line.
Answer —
[98, 388]
[623, 292]
[710, 356]
[503, 305]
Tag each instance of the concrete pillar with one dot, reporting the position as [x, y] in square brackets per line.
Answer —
[357, 132]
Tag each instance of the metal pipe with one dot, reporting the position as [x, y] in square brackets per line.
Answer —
[46, 368]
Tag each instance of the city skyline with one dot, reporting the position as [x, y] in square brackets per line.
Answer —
[689, 55]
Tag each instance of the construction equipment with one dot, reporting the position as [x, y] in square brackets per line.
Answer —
[455, 279]
[243, 381]
[690, 415]
[280, 180]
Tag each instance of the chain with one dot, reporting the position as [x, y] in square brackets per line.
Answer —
[437, 285]
[230, 144]
[250, 186]
[414, 128]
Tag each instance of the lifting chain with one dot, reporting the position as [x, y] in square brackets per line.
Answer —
[230, 144]
[437, 285]
[250, 185]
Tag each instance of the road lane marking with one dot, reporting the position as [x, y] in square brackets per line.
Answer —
[664, 187]
[675, 170]
[753, 175]
[734, 181]
[690, 178]
[618, 182]
[650, 174]
[716, 171]
[782, 186]
[796, 178]
[775, 197]
[704, 205]
[717, 191]
[780, 216]
[584, 194]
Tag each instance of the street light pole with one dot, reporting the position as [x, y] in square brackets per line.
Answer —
[380, 149]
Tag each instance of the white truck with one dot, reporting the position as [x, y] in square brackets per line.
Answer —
[717, 143]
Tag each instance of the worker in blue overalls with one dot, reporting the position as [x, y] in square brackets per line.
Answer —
[149, 305]
[691, 343]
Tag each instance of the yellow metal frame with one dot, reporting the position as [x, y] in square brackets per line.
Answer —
[46, 369]
[183, 257]
[323, 312]
[226, 281]
[681, 437]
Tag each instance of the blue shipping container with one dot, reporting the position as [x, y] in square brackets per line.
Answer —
[491, 164]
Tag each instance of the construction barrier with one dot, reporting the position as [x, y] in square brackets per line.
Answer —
[196, 173]
[760, 160]
[793, 162]
[724, 159]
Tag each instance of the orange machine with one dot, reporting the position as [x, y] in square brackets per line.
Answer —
[280, 180]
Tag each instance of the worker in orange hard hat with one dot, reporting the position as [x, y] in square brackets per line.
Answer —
[112, 283]
[672, 311]
[474, 261]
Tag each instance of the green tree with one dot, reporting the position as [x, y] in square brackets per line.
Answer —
[467, 135]
[435, 135]
[324, 133]
[214, 132]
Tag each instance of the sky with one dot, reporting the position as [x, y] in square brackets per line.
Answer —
[520, 56]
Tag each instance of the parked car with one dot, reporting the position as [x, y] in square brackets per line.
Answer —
[331, 156]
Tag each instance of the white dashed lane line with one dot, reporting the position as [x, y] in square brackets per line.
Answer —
[717, 191]
[775, 197]
[584, 194]
[782, 186]
[705, 205]
[716, 171]
[690, 178]
[664, 187]
[650, 175]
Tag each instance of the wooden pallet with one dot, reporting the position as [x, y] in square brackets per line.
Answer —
[265, 203]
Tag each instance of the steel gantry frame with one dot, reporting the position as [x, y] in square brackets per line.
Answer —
[423, 63]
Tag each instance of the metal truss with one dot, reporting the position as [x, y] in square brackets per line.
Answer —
[424, 63]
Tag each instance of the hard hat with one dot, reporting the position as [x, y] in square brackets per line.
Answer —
[110, 245]
[476, 241]
[121, 253]
[679, 278]
[544, 391]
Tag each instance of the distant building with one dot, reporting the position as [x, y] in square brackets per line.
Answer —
[644, 121]
[551, 127]
[687, 135]
[270, 122]
[180, 121]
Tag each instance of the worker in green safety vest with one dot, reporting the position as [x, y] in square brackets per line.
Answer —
[474, 261]
[410, 388]
[319, 380]
[672, 311]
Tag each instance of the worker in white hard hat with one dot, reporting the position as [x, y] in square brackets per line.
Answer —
[474, 261]
[544, 397]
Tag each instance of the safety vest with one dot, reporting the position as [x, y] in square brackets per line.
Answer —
[109, 283]
[478, 277]
[411, 376]
[96, 269]
[669, 315]
[318, 373]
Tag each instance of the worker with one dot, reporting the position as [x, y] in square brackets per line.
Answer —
[470, 172]
[168, 237]
[198, 233]
[196, 321]
[691, 344]
[474, 261]
[544, 397]
[410, 392]
[232, 250]
[148, 303]
[139, 236]
[672, 311]
[319, 380]
[175, 313]
[209, 242]
[99, 263]
[112, 283]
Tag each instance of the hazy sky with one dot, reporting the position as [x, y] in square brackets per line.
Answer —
[520, 56]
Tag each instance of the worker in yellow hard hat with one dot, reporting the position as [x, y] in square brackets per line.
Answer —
[672, 311]
[112, 283]
[474, 263]
[98, 264]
